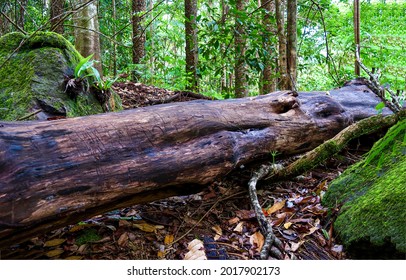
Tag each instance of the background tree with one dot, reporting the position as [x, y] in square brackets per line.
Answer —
[138, 37]
[291, 43]
[268, 83]
[191, 46]
[282, 58]
[240, 70]
[57, 8]
[86, 23]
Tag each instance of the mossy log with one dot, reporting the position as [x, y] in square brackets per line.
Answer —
[55, 173]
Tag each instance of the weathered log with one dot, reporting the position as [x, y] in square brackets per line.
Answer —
[55, 173]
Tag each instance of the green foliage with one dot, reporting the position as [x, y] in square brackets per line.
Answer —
[84, 66]
[325, 42]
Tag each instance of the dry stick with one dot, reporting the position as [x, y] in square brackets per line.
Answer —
[30, 115]
[265, 225]
[379, 90]
[13, 23]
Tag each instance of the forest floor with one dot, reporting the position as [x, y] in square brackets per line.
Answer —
[221, 215]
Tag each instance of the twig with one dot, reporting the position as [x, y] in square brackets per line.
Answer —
[378, 89]
[29, 115]
[13, 23]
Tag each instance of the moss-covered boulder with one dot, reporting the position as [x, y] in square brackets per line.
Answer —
[33, 69]
[372, 195]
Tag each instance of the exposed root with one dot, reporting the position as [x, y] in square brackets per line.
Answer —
[272, 245]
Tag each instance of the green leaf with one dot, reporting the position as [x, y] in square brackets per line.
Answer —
[380, 107]
[82, 65]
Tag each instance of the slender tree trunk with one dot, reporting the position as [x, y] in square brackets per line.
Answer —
[20, 16]
[268, 83]
[138, 6]
[292, 42]
[87, 39]
[282, 65]
[357, 34]
[114, 14]
[240, 48]
[191, 48]
[57, 10]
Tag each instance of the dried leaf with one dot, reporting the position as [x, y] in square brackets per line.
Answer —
[233, 221]
[168, 239]
[239, 227]
[277, 206]
[217, 229]
[54, 253]
[245, 214]
[311, 231]
[123, 240]
[287, 225]
[257, 239]
[54, 242]
[147, 227]
[196, 250]
[294, 246]
[124, 223]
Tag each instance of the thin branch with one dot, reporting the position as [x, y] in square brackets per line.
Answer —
[13, 23]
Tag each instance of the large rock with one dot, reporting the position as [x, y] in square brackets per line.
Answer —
[372, 195]
[32, 73]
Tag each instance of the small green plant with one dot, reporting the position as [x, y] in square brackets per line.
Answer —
[274, 154]
[83, 67]
[102, 84]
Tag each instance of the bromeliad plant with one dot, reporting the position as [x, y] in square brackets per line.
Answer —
[76, 82]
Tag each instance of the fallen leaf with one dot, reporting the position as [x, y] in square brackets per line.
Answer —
[239, 227]
[257, 239]
[196, 250]
[217, 230]
[123, 240]
[277, 206]
[311, 231]
[147, 227]
[233, 221]
[294, 246]
[54, 242]
[287, 225]
[54, 253]
[168, 239]
[245, 214]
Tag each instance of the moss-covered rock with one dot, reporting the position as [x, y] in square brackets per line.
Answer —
[372, 195]
[32, 74]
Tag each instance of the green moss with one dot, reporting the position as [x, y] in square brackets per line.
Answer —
[34, 68]
[373, 197]
[87, 235]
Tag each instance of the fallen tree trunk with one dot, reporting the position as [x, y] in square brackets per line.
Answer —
[55, 173]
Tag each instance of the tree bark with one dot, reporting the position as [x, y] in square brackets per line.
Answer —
[240, 48]
[56, 14]
[268, 83]
[292, 42]
[191, 47]
[87, 40]
[138, 6]
[56, 173]
[282, 65]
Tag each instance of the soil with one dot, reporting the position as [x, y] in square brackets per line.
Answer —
[220, 216]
